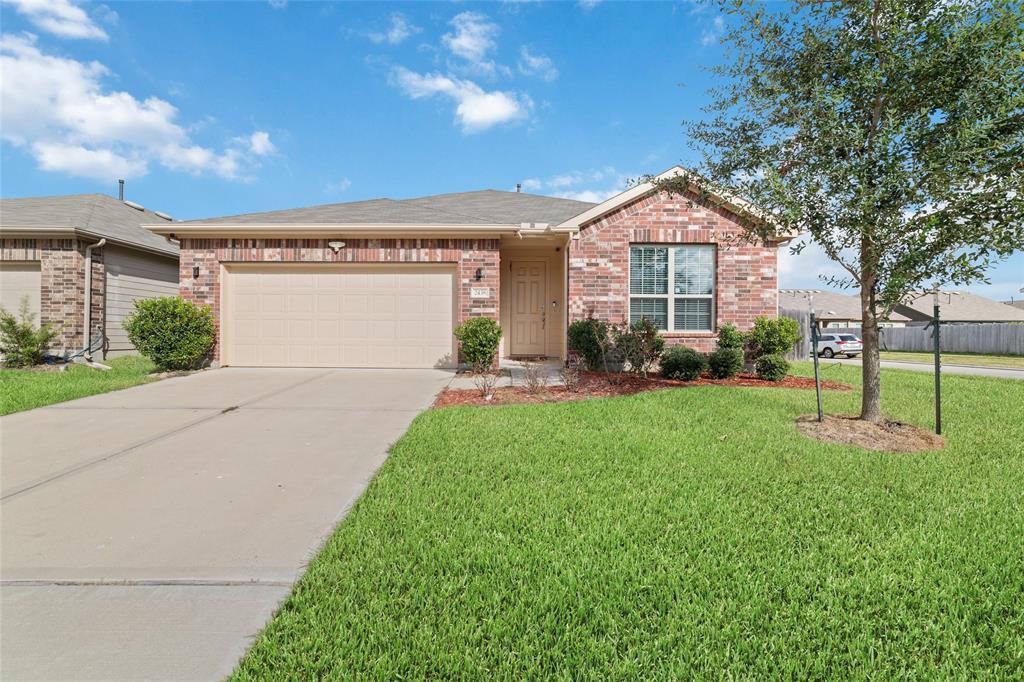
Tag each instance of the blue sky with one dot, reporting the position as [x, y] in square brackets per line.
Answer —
[218, 108]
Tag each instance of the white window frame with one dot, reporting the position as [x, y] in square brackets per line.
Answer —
[671, 296]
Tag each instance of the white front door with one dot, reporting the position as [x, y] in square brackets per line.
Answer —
[528, 308]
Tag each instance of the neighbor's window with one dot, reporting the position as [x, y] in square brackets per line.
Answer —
[673, 286]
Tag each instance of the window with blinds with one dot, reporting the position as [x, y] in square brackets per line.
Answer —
[673, 286]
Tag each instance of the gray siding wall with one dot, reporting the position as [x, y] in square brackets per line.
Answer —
[132, 275]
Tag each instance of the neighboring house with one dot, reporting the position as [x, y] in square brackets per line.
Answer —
[958, 306]
[832, 309]
[49, 244]
[382, 283]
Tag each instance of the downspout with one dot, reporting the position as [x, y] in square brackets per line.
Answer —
[88, 297]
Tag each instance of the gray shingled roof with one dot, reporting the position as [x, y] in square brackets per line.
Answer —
[97, 214]
[960, 306]
[828, 305]
[484, 207]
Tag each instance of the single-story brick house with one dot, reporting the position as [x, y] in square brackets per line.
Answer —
[54, 249]
[382, 283]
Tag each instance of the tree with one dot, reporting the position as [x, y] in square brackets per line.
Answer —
[889, 132]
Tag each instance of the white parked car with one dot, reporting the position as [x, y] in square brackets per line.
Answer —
[830, 345]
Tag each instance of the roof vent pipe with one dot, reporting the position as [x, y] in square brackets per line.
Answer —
[519, 187]
[120, 190]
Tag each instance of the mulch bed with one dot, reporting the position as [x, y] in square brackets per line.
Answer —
[595, 385]
[885, 436]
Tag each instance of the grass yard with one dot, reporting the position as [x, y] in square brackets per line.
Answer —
[977, 359]
[26, 389]
[675, 534]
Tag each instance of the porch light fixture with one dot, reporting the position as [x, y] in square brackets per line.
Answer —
[195, 272]
[479, 274]
[336, 246]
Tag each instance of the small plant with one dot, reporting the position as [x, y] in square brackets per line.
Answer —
[172, 332]
[725, 362]
[640, 345]
[22, 344]
[680, 362]
[485, 382]
[772, 367]
[774, 337]
[479, 338]
[585, 337]
[730, 337]
[612, 360]
[570, 374]
[535, 377]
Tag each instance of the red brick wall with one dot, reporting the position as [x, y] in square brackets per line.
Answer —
[746, 283]
[62, 284]
[466, 254]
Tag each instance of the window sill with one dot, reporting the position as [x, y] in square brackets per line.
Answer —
[690, 335]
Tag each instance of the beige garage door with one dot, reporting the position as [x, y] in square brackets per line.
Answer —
[19, 280]
[339, 316]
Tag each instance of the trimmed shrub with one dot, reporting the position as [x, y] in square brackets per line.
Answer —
[172, 332]
[479, 338]
[21, 343]
[680, 362]
[772, 367]
[725, 362]
[730, 337]
[639, 344]
[586, 337]
[774, 337]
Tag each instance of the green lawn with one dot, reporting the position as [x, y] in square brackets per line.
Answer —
[978, 359]
[671, 535]
[24, 389]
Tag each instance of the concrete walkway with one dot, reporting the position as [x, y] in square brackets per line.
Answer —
[150, 533]
[969, 370]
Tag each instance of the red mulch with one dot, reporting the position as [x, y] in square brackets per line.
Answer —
[595, 385]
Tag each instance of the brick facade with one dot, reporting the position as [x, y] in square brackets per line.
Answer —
[746, 283]
[467, 255]
[62, 285]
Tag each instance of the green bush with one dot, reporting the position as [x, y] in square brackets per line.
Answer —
[730, 337]
[21, 343]
[772, 367]
[639, 344]
[172, 332]
[774, 337]
[725, 362]
[680, 362]
[479, 338]
[585, 337]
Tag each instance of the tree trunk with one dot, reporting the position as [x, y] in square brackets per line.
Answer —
[871, 395]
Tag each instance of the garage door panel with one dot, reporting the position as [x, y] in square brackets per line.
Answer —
[397, 316]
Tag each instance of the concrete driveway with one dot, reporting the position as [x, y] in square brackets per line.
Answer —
[149, 533]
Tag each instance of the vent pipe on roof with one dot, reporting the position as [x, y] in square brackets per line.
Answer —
[120, 190]
[519, 187]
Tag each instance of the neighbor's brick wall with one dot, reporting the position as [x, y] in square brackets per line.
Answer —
[62, 285]
[466, 254]
[746, 283]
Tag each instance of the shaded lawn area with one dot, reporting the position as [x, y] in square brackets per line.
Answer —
[681, 533]
[977, 359]
[26, 389]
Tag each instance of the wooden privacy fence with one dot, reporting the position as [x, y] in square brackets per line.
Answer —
[802, 350]
[1002, 338]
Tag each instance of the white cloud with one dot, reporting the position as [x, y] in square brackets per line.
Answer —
[476, 109]
[399, 30]
[338, 186]
[587, 5]
[713, 33]
[60, 111]
[473, 41]
[807, 270]
[278, 4]
[593, 185]
[536, 65]
[61, 18]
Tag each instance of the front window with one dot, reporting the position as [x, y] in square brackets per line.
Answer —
[673, 286]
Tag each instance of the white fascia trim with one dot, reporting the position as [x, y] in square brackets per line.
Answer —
[734, 203]
[24, 231]
[329, 229]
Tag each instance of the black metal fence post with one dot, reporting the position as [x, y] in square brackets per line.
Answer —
[938, 369]
[817, 373]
